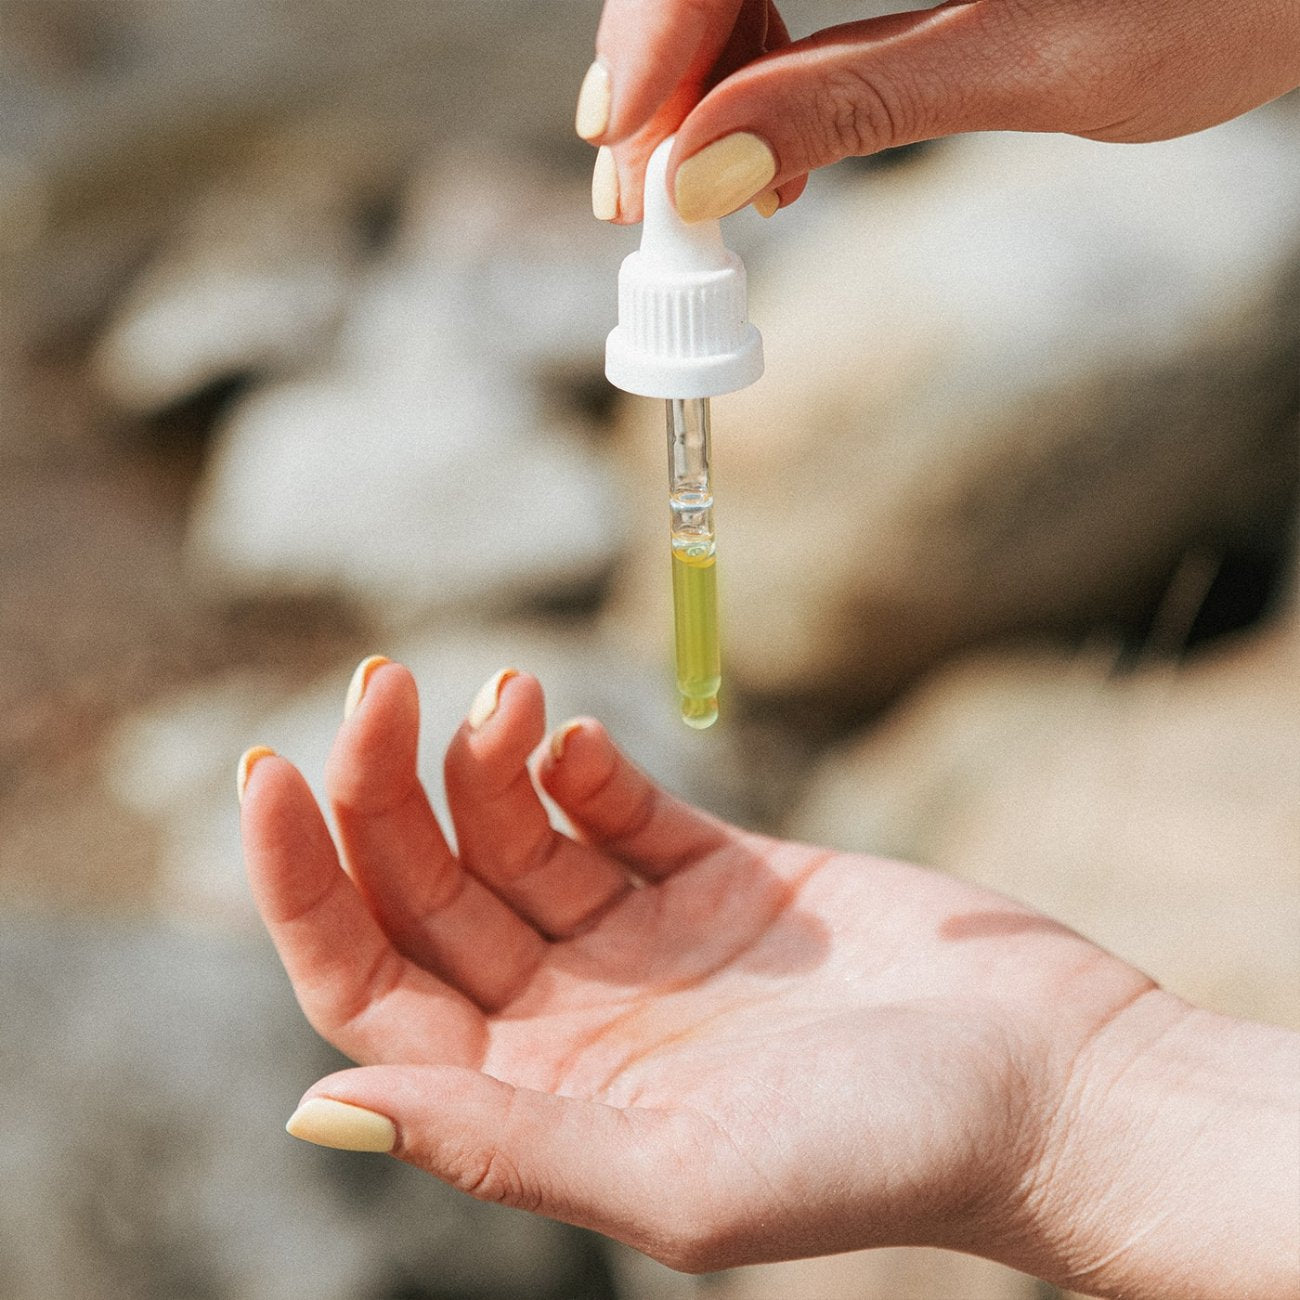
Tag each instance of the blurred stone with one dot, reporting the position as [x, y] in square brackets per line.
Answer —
[420, 466]
[512, 240]
[173, 765]
[147, 1074]
[1007, 386]
[417, 476]
[113, 117]
[1155, 813]
[255, 279]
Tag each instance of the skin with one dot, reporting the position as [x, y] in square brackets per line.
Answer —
[1119, 70]
[723, 1048]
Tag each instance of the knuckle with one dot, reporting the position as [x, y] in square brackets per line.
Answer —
[490, 1176]
[860, 115]
[367, 791]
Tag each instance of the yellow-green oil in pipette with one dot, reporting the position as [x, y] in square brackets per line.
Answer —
[695, 620]
[695, 574]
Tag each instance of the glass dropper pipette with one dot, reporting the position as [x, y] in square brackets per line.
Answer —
[683, 335]
[694, 560]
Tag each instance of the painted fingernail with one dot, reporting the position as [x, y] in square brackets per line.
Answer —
[767, 203]
[360, 680]
[341, 1125]
[489, 694]
[246, 761]
[592, 116]
[604, 185]
[560, 737]
[723, 176]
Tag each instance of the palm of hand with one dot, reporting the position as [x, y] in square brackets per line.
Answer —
[680, 980]
[762, 1011]
[779, 996]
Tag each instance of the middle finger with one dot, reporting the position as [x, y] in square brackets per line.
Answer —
[434, 912]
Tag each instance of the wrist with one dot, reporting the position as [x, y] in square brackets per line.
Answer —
[1171, 1164]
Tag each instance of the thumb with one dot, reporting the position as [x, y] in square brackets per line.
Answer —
[865, 86]
[579, 1161]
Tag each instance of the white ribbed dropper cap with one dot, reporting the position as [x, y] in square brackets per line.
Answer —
[682, 325]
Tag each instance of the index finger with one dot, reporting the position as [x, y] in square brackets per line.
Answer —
[648, 51]
[355, 988]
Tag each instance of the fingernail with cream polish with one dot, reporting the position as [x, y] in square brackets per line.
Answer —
[592, 116]
[767, 203]
[604, 185]
[339, 1124]
[360, 680]
[489, 694]
[560, 737]
[246, 761]
[723, 176]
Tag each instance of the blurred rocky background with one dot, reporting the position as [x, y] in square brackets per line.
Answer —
[301, 317]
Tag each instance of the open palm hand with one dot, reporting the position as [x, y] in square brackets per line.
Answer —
[719, 1047]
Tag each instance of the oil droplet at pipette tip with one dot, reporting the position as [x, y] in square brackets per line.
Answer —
[699, 713]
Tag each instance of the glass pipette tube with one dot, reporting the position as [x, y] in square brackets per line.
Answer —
[695, 592]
